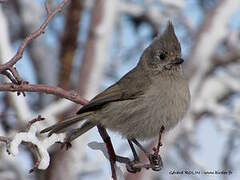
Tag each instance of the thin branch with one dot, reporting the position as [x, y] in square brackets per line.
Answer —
[5, 140]
[57, 91]
[39, 118]
[31, 37]
[47, 7]
[112, 156]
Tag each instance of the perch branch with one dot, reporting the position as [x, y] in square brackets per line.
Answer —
[112, 156]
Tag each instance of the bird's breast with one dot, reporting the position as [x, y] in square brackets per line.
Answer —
[143, 117]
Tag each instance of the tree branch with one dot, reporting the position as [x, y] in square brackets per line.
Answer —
[57, 91]
[112, 156]
[32, 36]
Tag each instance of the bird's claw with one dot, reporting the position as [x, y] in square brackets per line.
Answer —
[132, 167]
[156, 162]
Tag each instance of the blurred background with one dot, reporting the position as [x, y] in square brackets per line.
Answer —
[92, 44]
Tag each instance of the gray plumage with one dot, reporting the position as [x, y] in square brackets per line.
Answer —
[153, 94]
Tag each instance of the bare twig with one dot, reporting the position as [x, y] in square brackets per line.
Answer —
[31, 37]
[39, 118]
[5, 140]
[47, 7]
[59, 92]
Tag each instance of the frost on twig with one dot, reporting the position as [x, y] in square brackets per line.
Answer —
[38, 145]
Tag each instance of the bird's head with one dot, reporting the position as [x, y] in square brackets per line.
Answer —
[164, 53]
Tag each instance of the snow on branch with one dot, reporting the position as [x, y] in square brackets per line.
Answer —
[38, 145]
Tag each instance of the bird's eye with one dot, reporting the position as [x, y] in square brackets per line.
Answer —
[162, 56]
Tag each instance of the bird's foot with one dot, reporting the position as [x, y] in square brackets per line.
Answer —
[136, 166]
[133, 166]
[156, 163]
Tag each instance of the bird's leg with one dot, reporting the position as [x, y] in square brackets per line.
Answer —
[155, 158]
[135, 156]
[130, 166]
[122, 159]
[140, 147]
[135, 165]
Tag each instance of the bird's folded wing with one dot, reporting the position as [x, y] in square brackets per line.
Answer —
[111, 94]
[124, 89]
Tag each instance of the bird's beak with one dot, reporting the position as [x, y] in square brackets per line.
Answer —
[178, 61]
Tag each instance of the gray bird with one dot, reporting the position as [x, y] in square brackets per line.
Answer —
[152, 95]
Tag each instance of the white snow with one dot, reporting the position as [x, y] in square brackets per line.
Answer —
[41, 144]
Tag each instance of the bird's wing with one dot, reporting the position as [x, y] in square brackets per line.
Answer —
[124, 89]
[113, 93]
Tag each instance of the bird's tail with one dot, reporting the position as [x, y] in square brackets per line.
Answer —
[56, 128]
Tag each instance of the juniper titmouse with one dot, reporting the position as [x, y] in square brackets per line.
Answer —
[153, 94]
